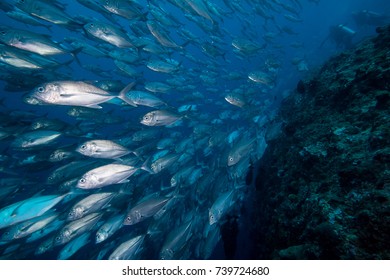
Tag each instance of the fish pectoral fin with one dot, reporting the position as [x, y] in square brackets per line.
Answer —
[66, 95]
[14, 212]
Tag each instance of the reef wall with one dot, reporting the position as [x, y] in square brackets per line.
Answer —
[323, 185]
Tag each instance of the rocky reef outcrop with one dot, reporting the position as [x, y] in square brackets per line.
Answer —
[323, 184]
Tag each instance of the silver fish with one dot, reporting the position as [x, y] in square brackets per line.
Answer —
[106, 175]
[261, 78]
[35, 139]
[164, 162]
[26, 228]
[102, 149]
[60, 155]
[124, 8]
[72, 93]
[157, 87]
[45, 246]
[76, 228]
[91, 203]
[27, 209]
[47, 11]
[23, 60]
[69, 171]
[73, 246]
[161, 36]
[200, 8]
[145, 210]
[246, 47]
[109, 34]
[175, 241]
[220, 206]
[109, 228]
[30, 41]
[49, 228]
[160, 118]
[21, 16]
[128, 249]
[145, 99]
[235, 99]
[240, 150]
[164, 66]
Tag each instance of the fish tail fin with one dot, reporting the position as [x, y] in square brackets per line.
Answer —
[74, 53]
[185, 44]
[122, 94]
[75, 25]
[66, 63]
[146, 166]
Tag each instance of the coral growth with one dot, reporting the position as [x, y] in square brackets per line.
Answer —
[323, 186]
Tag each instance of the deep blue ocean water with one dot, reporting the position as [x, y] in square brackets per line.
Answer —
[276, 57]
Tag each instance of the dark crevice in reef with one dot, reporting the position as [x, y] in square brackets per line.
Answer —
[323, 185]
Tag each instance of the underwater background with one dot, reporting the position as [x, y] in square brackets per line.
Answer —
[194, 129]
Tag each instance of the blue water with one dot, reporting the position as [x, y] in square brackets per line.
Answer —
[312, 34]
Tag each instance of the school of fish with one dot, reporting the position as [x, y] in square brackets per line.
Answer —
[142, 150]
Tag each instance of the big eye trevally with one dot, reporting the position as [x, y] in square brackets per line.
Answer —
[160, 118]
[30, 41]
[106, 175]
[102, 149]
[109, 34]
[73, 93]
[27, 209]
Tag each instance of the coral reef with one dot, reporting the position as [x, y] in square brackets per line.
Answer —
[323, 185]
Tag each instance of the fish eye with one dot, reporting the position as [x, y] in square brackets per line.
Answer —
[41, 89]
[58, 238]
[82, 180]
[91, 24]
[230, 159]
[83, 147]
[3, 32]
[128, 219]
